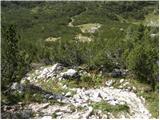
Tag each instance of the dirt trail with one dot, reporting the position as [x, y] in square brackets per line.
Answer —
[70, 24]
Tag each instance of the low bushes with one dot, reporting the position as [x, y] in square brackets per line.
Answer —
[106, 107]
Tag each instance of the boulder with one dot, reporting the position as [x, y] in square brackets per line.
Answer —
[70, 73]
[49, 72]
[64, 87]
[109, 83]
[119, 73]
[57, 67]
[120, 87]
[68, 94]
[54, 96]
[124, 72]
[116, 73]
[134, 89]
[121, 81]
[125, 84]
[17, 86]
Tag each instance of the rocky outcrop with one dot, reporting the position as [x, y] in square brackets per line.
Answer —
[57, 71]
[82, 98]
[49, 72]
[75, 98]
[112, 96]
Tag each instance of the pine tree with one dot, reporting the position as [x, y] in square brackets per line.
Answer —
[13, 63]
[9, 55]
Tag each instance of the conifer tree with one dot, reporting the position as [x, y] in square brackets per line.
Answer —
[13, 61]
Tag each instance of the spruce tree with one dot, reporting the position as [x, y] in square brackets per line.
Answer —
[9, 54]
[13, 62]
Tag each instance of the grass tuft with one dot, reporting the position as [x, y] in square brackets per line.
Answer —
[106, 107]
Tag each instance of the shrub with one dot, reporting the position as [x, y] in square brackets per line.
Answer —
[85, 81]
[106, 107]
[15, 63]
[143, 62]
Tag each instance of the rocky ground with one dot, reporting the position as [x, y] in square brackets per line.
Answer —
[111, 100]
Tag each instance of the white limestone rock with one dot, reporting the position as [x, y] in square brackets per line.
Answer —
[109, 83]
[121, 81]
[70, 73]
[17, 86]
[68, 94]
[46, 117]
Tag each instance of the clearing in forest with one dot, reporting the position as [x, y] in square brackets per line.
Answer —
[89, 28]
[82, 38]
[52, 39]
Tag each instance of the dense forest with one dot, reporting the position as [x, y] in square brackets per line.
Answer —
[126, 39]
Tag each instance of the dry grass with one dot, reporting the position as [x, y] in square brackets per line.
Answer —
[89, 28]
[82, 38]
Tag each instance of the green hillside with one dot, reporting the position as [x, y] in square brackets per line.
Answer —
[100, 36]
